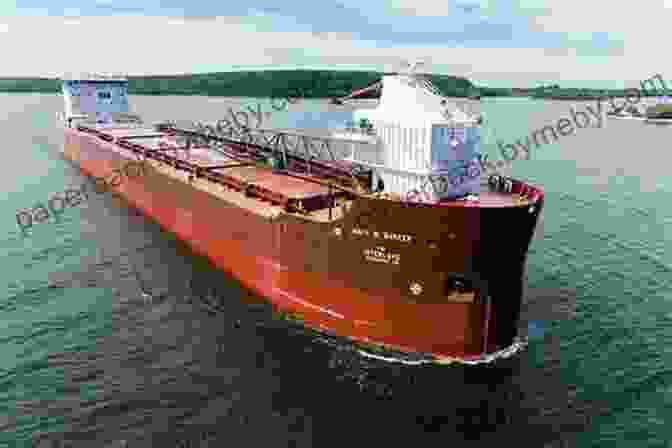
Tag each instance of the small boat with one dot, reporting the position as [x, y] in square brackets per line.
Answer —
[627, 117]
[659, 120]
[660, 113]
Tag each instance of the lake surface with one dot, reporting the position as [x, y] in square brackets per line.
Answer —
[111, 330]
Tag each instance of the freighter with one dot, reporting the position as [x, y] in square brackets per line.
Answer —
[400, 245]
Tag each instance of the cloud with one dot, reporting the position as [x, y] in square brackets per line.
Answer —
[514, 43]
[475, 23]
[621, 20]
[109, 7]
[432, 8]
[421, 8]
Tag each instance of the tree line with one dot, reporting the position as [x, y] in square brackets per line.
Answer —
[268, 83]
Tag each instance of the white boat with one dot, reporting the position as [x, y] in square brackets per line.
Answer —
[627, 117]
[661, 112]
[659, 120]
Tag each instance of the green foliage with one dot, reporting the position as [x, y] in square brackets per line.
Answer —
[576, 93]
[495, 91]
[270, 83]
[659, 111]
[663, 108]
[305, 84]
[37, 85]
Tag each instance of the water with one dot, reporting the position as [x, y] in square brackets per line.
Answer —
[112, 330]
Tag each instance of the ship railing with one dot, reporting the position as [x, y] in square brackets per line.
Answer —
[316, 155]
[342, 152]
[357, 153]
[325, 156]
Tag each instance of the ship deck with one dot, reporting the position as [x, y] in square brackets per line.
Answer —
[317, 196]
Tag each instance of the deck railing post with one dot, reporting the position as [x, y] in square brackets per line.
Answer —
[326, 145]
[284, 151]
[331, 202]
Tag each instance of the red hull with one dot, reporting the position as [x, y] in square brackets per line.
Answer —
[308, 268]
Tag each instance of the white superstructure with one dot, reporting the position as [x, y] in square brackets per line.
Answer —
[94, 97]
[417, 133]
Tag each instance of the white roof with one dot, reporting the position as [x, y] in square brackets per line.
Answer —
[411, 100]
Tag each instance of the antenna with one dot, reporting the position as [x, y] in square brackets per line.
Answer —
[410, 68]
[416, 79]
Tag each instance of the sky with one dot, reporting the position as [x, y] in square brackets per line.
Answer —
[503, 43]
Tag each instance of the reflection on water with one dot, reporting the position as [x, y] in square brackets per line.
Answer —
[113, 330]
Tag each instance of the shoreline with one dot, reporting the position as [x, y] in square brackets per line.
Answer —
[205, 94]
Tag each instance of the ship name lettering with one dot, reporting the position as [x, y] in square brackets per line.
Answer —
[380, 255]
[386, 235]
[397, 237]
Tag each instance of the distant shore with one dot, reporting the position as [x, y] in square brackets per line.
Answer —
[573, 98]
[269, 83]
[306, 84]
